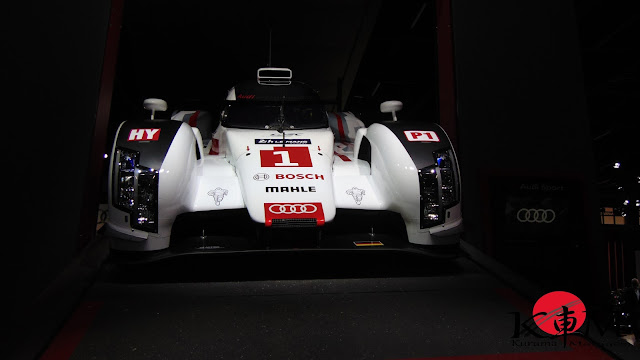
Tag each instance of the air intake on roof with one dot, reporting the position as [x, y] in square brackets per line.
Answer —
[274, 76]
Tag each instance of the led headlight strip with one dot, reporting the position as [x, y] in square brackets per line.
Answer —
[439, 188]
[136, 190]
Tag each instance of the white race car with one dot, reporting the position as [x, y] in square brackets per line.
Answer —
[275, 164]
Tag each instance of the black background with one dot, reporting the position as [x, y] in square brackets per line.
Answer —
[545, 88]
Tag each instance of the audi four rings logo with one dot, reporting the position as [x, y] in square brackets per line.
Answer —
[261, 177]
[293, 209]
[536, 215]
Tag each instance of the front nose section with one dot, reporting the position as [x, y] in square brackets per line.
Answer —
[287, 186]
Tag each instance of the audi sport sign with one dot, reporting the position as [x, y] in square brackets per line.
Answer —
[309, 210]
[541, 216]
[530, 210]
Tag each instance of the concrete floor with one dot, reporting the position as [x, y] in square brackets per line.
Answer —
[310, 305]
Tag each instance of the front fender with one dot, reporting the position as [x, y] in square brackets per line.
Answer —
[169, 151]
[397, 152]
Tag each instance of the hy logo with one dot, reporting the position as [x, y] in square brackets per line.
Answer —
[144, 135]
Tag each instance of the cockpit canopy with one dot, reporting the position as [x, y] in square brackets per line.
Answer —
[273, 115]
[251, 105]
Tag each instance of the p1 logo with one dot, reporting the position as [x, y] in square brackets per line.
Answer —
[290, 156]
[421, 135]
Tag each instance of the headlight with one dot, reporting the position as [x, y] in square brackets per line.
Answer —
[125, 176]
[439, 188]
[429, 191]
[136, 190]
[146, 213]
[448, 177]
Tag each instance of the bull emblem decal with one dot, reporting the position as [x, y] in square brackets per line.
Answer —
[356, 193]
[218, 194]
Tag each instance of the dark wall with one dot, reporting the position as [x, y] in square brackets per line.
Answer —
[55, 54]
[523, 127]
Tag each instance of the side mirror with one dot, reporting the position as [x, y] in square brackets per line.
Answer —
[154, 105]
[391, 106]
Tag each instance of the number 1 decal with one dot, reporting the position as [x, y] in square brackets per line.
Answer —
[285, 159]
[290, 156]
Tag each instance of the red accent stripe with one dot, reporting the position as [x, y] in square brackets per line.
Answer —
[343, 157]
[446, 80]
[193, 119]
[609, 261]
[65, 343]
[340, 127]
[615, 263]
[90, 200]
[215, 147]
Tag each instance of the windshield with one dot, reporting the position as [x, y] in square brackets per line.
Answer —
[271, 115]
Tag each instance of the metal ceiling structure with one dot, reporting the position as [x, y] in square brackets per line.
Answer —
[194, 51]
[356, 54]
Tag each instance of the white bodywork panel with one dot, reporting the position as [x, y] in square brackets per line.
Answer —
[251, 168]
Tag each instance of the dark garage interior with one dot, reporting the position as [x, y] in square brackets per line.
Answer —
[538, 99]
